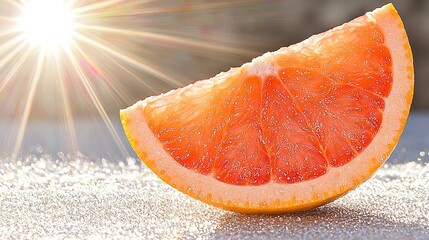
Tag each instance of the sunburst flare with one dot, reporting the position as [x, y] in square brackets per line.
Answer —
[60, 59]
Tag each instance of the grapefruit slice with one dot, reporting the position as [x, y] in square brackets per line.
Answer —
[291, 130]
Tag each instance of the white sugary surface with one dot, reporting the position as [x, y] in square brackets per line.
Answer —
[78, 197]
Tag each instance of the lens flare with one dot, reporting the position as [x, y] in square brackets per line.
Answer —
[65, 60]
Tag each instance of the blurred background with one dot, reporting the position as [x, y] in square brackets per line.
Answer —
[126, 51]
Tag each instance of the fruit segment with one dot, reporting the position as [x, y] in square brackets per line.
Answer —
[320, 109]
[295, 151]
[242, 158]
[190, 125]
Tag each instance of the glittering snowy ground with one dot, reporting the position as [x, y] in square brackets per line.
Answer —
[79, 197]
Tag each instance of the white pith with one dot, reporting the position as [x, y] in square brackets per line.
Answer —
[335, 182]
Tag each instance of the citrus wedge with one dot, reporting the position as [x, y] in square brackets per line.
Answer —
[291, 130]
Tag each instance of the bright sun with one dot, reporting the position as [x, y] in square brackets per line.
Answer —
[47, 23]
[65, 57]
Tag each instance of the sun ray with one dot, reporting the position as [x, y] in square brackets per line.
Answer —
[10, 54]
[131, 61]
[129, 72]
[170, 39]
[29, 102]
[113, 85]
[17, 65]
[10, 43]
[96, 101]
[175, 9]
[9, 31]
[96, 6]
[68, 115]
[15, 4]
[9, 19]
[94, 9]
